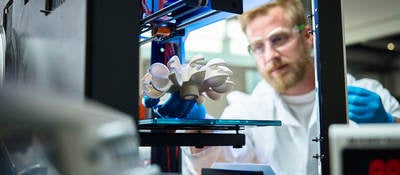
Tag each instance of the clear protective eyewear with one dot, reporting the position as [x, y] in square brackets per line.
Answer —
[276, 39]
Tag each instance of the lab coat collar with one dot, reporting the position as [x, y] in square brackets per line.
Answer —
[314, 113]
[288, 118]
[280, 110]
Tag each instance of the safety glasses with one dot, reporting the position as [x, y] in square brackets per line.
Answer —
[276, 39]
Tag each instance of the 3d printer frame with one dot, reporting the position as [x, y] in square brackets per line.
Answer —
[329, 57]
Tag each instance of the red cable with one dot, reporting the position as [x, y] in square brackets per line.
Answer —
[176, 152]
[168, 159]
[166, 48]
[171, 50]
[161, 4]
[145, 7]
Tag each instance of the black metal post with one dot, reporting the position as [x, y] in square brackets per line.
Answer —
[112, 56]
[331, 72]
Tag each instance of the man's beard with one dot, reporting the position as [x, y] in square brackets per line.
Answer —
[297, 70]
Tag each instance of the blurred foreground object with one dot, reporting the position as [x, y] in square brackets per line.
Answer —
[43, 134]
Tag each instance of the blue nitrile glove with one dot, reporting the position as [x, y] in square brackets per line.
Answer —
[366, 106]
[150, 102]
[176, 107]
[197, 112]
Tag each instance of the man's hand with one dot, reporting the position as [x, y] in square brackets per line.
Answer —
[366, 106]
[175, 107]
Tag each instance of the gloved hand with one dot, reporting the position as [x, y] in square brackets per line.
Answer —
[366, 106]
[176, 107]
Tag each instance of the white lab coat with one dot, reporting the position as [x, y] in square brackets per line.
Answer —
[287, 148]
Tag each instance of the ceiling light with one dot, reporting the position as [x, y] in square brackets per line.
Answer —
[390, 46]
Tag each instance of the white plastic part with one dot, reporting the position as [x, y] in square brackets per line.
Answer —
[148, 88]
[226, 87]
[193, 80]
[196, 59]
[216, 62]
[213, 95]
[159, 73]
[215, 78]
[174, 63]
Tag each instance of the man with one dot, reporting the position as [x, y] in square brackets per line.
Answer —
[280, 43]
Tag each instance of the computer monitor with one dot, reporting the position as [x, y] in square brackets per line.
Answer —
[372, 149]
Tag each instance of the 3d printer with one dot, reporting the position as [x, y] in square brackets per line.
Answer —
[89, 49]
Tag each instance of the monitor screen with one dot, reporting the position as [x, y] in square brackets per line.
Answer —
[371, 161]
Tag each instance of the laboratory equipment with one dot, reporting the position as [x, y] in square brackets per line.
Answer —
[49, 134]
[364, 149]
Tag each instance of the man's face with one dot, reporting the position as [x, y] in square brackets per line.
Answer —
[282, 56]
